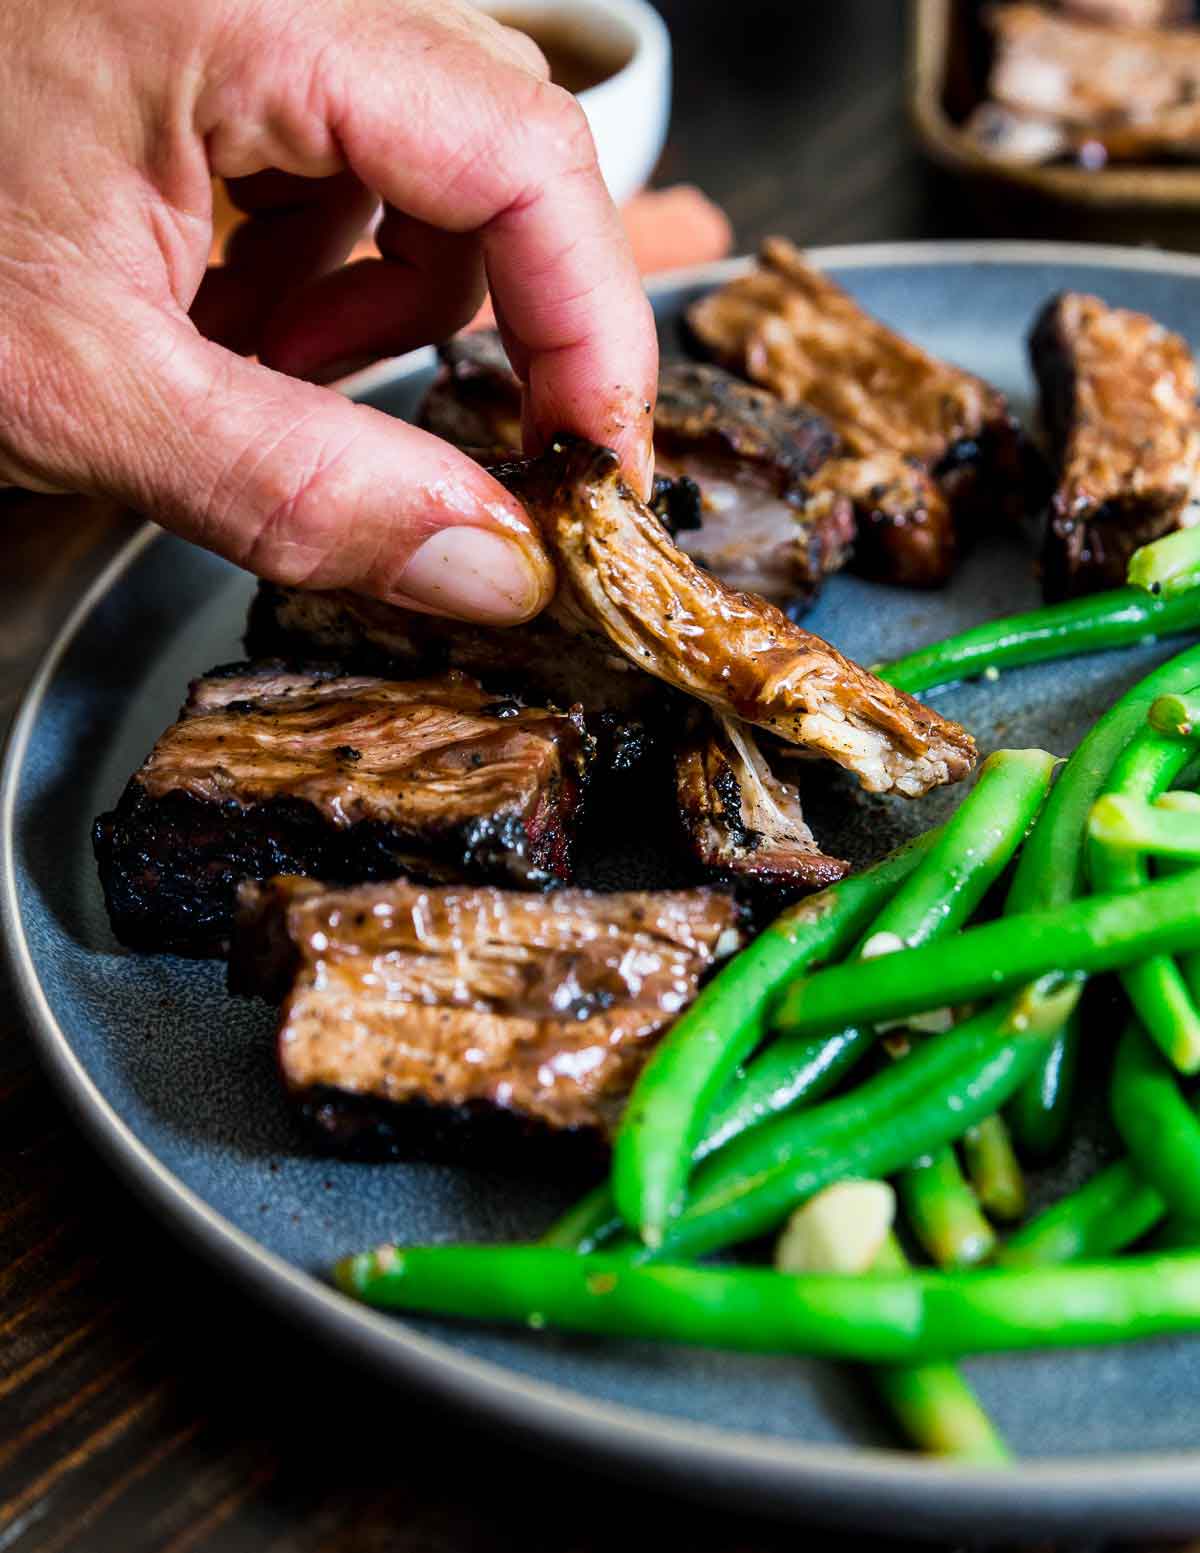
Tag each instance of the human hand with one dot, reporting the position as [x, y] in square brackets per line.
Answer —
[114, 114]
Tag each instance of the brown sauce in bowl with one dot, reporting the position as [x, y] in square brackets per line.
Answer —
[577, 62]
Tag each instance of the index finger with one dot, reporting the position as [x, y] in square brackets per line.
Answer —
[465, 140]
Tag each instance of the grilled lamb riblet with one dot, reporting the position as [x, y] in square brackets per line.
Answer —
[752, 457]
[270, 770]
[791, 329]
[621, 578]
[1118, 402]
[744, 824]
[416, 1019]
[1132, 91]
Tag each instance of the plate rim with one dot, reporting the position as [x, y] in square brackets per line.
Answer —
[1117, 1492]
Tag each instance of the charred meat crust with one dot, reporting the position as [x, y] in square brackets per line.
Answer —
[1118, 407]
[790, 328]
[410, 1013]
[622, 579]
[742, 823]
[272, 770]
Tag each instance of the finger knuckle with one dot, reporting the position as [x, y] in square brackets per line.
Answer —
[559, 128]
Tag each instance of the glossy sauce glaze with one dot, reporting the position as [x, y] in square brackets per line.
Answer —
[623, 578]
[413, 753]
[546, 1005]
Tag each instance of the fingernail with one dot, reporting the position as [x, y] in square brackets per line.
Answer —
[648, 473]
[475, 574]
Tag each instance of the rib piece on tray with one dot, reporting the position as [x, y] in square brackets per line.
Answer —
[1119, 409]
[621, 578]
[1128, 92]
[457, 1021]
[270, 770]
[743, 823]
[753, 458]
[751, 455]
[790, 328]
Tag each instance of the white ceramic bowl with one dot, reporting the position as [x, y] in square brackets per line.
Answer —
[629, 111]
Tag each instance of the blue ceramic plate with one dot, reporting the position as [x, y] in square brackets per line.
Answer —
[175, 1081]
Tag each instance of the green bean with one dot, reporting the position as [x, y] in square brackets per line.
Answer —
[1156, 1124]
[1039, 1114]
[1153, 982]
[1169, 566]
[589, 1224]
[993, 1169]
[973, 848]
[932, 1403]
[1189, 804]
[1179, 802]
[1176, 714]
[929, 1099]
[941, 894]
[780, 1077]
[1123, 617]
[1111, 1211]
[665, 1114]
[942, 1210]
[821, 925]
[1051, 871]
[1125, 824]
[902, 1319]
[1103, 933]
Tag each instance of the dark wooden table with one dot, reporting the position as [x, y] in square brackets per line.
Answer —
[146, 1406]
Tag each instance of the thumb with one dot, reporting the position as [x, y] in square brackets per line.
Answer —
[296, 483]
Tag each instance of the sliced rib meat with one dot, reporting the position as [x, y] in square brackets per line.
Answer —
[744, 824]
[343, 777]
[790, 328]
[475, 400]
[452, 1021]
[1119, 409]
[539, 661]
[622, 579]
[753, 459]
[1132, 92]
